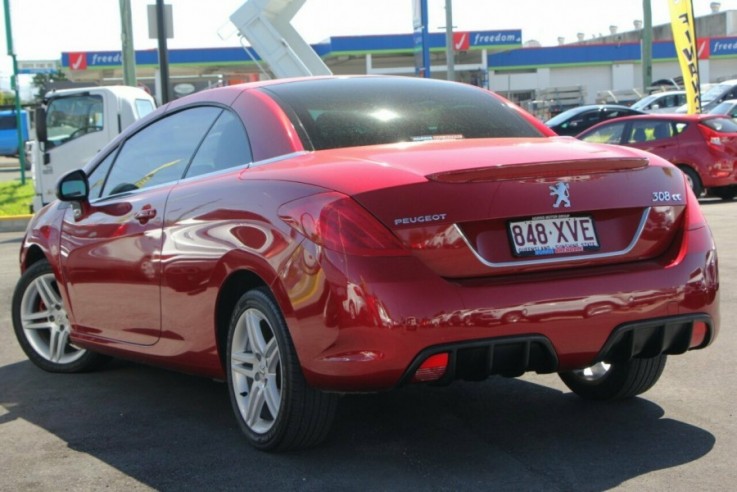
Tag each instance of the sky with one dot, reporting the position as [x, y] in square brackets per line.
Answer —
[43, 29]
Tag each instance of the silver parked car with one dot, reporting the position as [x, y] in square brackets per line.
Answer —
[661, 102]
[728, 108]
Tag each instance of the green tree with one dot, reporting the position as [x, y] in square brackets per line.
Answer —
[7, 98]
[42, 81]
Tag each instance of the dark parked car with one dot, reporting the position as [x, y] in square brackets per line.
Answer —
[576, 120]
[704, 147]
[304, 238]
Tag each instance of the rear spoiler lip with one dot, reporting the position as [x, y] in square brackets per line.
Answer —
[532, 170]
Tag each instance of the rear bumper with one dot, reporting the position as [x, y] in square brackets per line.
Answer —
[369, 322]
[513, 356]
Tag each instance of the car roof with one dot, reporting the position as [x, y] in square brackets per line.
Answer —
[687, 118]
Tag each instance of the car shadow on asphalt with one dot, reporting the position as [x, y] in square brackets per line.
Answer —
[168, 430]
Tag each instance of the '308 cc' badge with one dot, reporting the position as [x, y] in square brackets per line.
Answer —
[560, 191]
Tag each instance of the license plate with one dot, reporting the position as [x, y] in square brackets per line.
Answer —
[553, 235]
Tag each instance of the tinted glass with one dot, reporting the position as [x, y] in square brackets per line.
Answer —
[225, 146]
[650, 130]
[367, 111]
[564, 116]
[160, 152]
[97, 177]
[721, 125]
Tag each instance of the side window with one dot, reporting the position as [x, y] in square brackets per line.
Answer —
[611, 134]
[225, 146]
[679, 128]
[616, 113]
[584, 120]
[647, 131]
[98, 175]
[68, 118]
[160, 152]
[144, 107]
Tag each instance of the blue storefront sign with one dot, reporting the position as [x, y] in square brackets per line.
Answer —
[723, 47]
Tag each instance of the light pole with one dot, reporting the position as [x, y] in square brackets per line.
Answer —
[647, 45]
[449, 48]
[129, 56]
[16, 89]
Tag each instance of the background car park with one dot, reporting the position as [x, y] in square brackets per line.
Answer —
[704, 147]
[661, 102]
[576, 120]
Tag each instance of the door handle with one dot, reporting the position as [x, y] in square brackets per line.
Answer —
[145, 214]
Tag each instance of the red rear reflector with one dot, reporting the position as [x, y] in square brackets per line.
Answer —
[432, 369]
[698, 335]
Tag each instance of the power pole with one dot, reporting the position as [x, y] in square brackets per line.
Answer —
[163, 51]
[15, 86]
[647, 45]
[129, 54]
[449, 49]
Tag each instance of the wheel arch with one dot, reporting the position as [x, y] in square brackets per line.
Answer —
[687, 168]
[231, 290]
[32, 255]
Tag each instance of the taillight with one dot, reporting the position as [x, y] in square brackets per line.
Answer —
[713, 138]
[335, 221]
[432, 369]
[694, 216]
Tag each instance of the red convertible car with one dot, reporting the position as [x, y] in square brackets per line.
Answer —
[306, 238]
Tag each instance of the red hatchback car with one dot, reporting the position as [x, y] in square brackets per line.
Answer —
[305, 238]
[704, 147]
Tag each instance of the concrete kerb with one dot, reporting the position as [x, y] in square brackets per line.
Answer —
[14, 223]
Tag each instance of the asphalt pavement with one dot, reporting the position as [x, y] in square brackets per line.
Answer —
[134, 427]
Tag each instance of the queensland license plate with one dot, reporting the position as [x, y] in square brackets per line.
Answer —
[553, 235]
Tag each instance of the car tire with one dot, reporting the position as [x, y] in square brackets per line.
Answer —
[42, 326]
[693, 180]
[275, 407]
[617, 380]
[726, 193]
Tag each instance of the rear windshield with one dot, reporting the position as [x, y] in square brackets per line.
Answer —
[335, 113]
[721, 125]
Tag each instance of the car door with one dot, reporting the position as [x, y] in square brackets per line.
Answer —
[656, 136]
[111, 253]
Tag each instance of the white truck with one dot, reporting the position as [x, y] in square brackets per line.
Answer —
[73, 125]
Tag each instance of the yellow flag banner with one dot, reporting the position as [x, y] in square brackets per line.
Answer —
[684, 37]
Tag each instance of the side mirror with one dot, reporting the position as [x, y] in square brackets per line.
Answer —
[73, 187]
[40, 119]
[655, 106]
